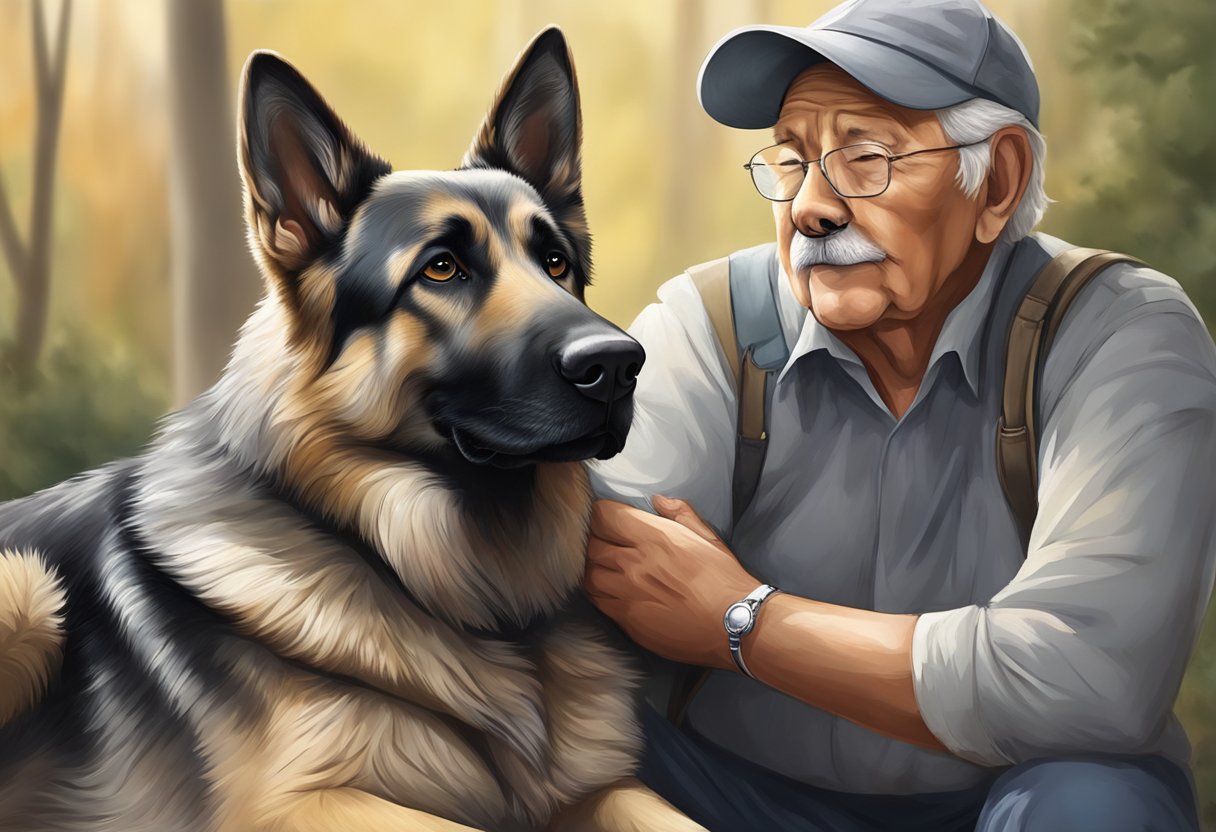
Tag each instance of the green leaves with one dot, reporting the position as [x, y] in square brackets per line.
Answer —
[1153, 67]
[87, 406]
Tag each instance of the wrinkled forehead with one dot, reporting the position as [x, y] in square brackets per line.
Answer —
[824, 97]
[487, 208]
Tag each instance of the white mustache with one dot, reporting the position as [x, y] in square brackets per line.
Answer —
[841, 248]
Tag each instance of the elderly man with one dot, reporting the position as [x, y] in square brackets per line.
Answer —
[928, 663]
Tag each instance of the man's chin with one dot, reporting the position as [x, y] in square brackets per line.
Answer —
[847, 308]
[830, 278]
[829, 274]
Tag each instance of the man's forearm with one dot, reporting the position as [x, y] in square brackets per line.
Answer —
[668, 580]
[853, 663]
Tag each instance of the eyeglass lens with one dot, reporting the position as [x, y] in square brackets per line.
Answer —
[858, 170]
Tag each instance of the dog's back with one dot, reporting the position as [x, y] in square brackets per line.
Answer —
[92, 739]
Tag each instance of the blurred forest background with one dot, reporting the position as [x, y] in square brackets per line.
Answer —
[123, 273]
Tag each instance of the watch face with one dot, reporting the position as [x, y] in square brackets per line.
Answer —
[738, 619]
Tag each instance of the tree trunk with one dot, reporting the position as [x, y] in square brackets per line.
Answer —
[214, 281]
[30, 263]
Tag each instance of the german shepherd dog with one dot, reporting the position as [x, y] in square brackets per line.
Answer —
[340, 589]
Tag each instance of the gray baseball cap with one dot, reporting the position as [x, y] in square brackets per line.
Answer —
[921, 54]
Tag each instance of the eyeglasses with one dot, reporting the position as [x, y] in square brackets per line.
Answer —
[855, 171]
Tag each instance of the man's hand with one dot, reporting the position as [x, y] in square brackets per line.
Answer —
[666, 580]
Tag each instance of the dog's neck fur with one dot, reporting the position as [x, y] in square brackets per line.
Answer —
[474, 572]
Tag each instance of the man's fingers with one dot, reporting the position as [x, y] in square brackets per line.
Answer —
[604, 554]
[625, 525]
[686, 516]
[602, 582]
[614, 522]
[610, 607]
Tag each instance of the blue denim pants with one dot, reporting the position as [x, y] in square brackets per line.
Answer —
[725, 793]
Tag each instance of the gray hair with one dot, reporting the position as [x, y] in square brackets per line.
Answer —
[976, 120]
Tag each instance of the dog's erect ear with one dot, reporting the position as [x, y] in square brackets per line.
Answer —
[305, 172]
[534, 128]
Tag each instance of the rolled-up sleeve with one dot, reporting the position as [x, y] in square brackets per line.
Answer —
[1085, 649]
[681, 443]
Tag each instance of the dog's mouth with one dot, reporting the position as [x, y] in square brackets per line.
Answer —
[601, 444]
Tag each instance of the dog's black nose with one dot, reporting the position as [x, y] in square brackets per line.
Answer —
[603, 366]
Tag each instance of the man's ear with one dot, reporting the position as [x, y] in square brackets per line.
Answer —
[534, 130]
[305, 172]
[1008, 176]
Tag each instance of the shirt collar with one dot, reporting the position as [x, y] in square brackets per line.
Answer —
[961, 333]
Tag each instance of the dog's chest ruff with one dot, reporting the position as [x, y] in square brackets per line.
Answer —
[358, 687]
[578, 736]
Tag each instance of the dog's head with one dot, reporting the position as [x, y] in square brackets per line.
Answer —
[439, 313]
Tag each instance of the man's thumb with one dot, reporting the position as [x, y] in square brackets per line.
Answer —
[683, 513]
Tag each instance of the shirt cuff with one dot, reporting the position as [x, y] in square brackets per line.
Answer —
[944, 682]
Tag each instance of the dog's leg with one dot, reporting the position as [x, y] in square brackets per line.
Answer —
[626, 807]
[357, 811]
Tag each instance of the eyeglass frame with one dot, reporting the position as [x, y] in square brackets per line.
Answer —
[805, 164]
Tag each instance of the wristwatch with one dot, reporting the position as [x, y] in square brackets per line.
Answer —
[739, 620]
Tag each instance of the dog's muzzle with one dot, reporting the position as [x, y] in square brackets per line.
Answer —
[579, 405]
[603, 367]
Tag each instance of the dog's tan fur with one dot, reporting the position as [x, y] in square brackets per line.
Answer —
[557, 716]
[31, 635]
[360, 694]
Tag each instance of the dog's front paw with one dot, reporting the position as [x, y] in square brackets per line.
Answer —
[627, 806]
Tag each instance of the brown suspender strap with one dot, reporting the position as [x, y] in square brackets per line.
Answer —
[752, 400]
[712, 280]
[1030, 336]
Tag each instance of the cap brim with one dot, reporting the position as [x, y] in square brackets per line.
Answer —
[744, 79]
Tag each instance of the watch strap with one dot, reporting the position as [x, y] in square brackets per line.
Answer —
[735, 640]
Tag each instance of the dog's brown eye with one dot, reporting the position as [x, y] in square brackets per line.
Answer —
[441, 268]
[557, 265]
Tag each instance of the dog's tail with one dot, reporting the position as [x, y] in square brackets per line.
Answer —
[31, 630]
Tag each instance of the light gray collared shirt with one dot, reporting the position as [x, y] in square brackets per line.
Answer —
[1076, 643]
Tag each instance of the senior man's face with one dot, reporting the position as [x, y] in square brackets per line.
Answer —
[921, 228]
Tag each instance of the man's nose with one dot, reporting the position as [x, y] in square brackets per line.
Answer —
[817, 209]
